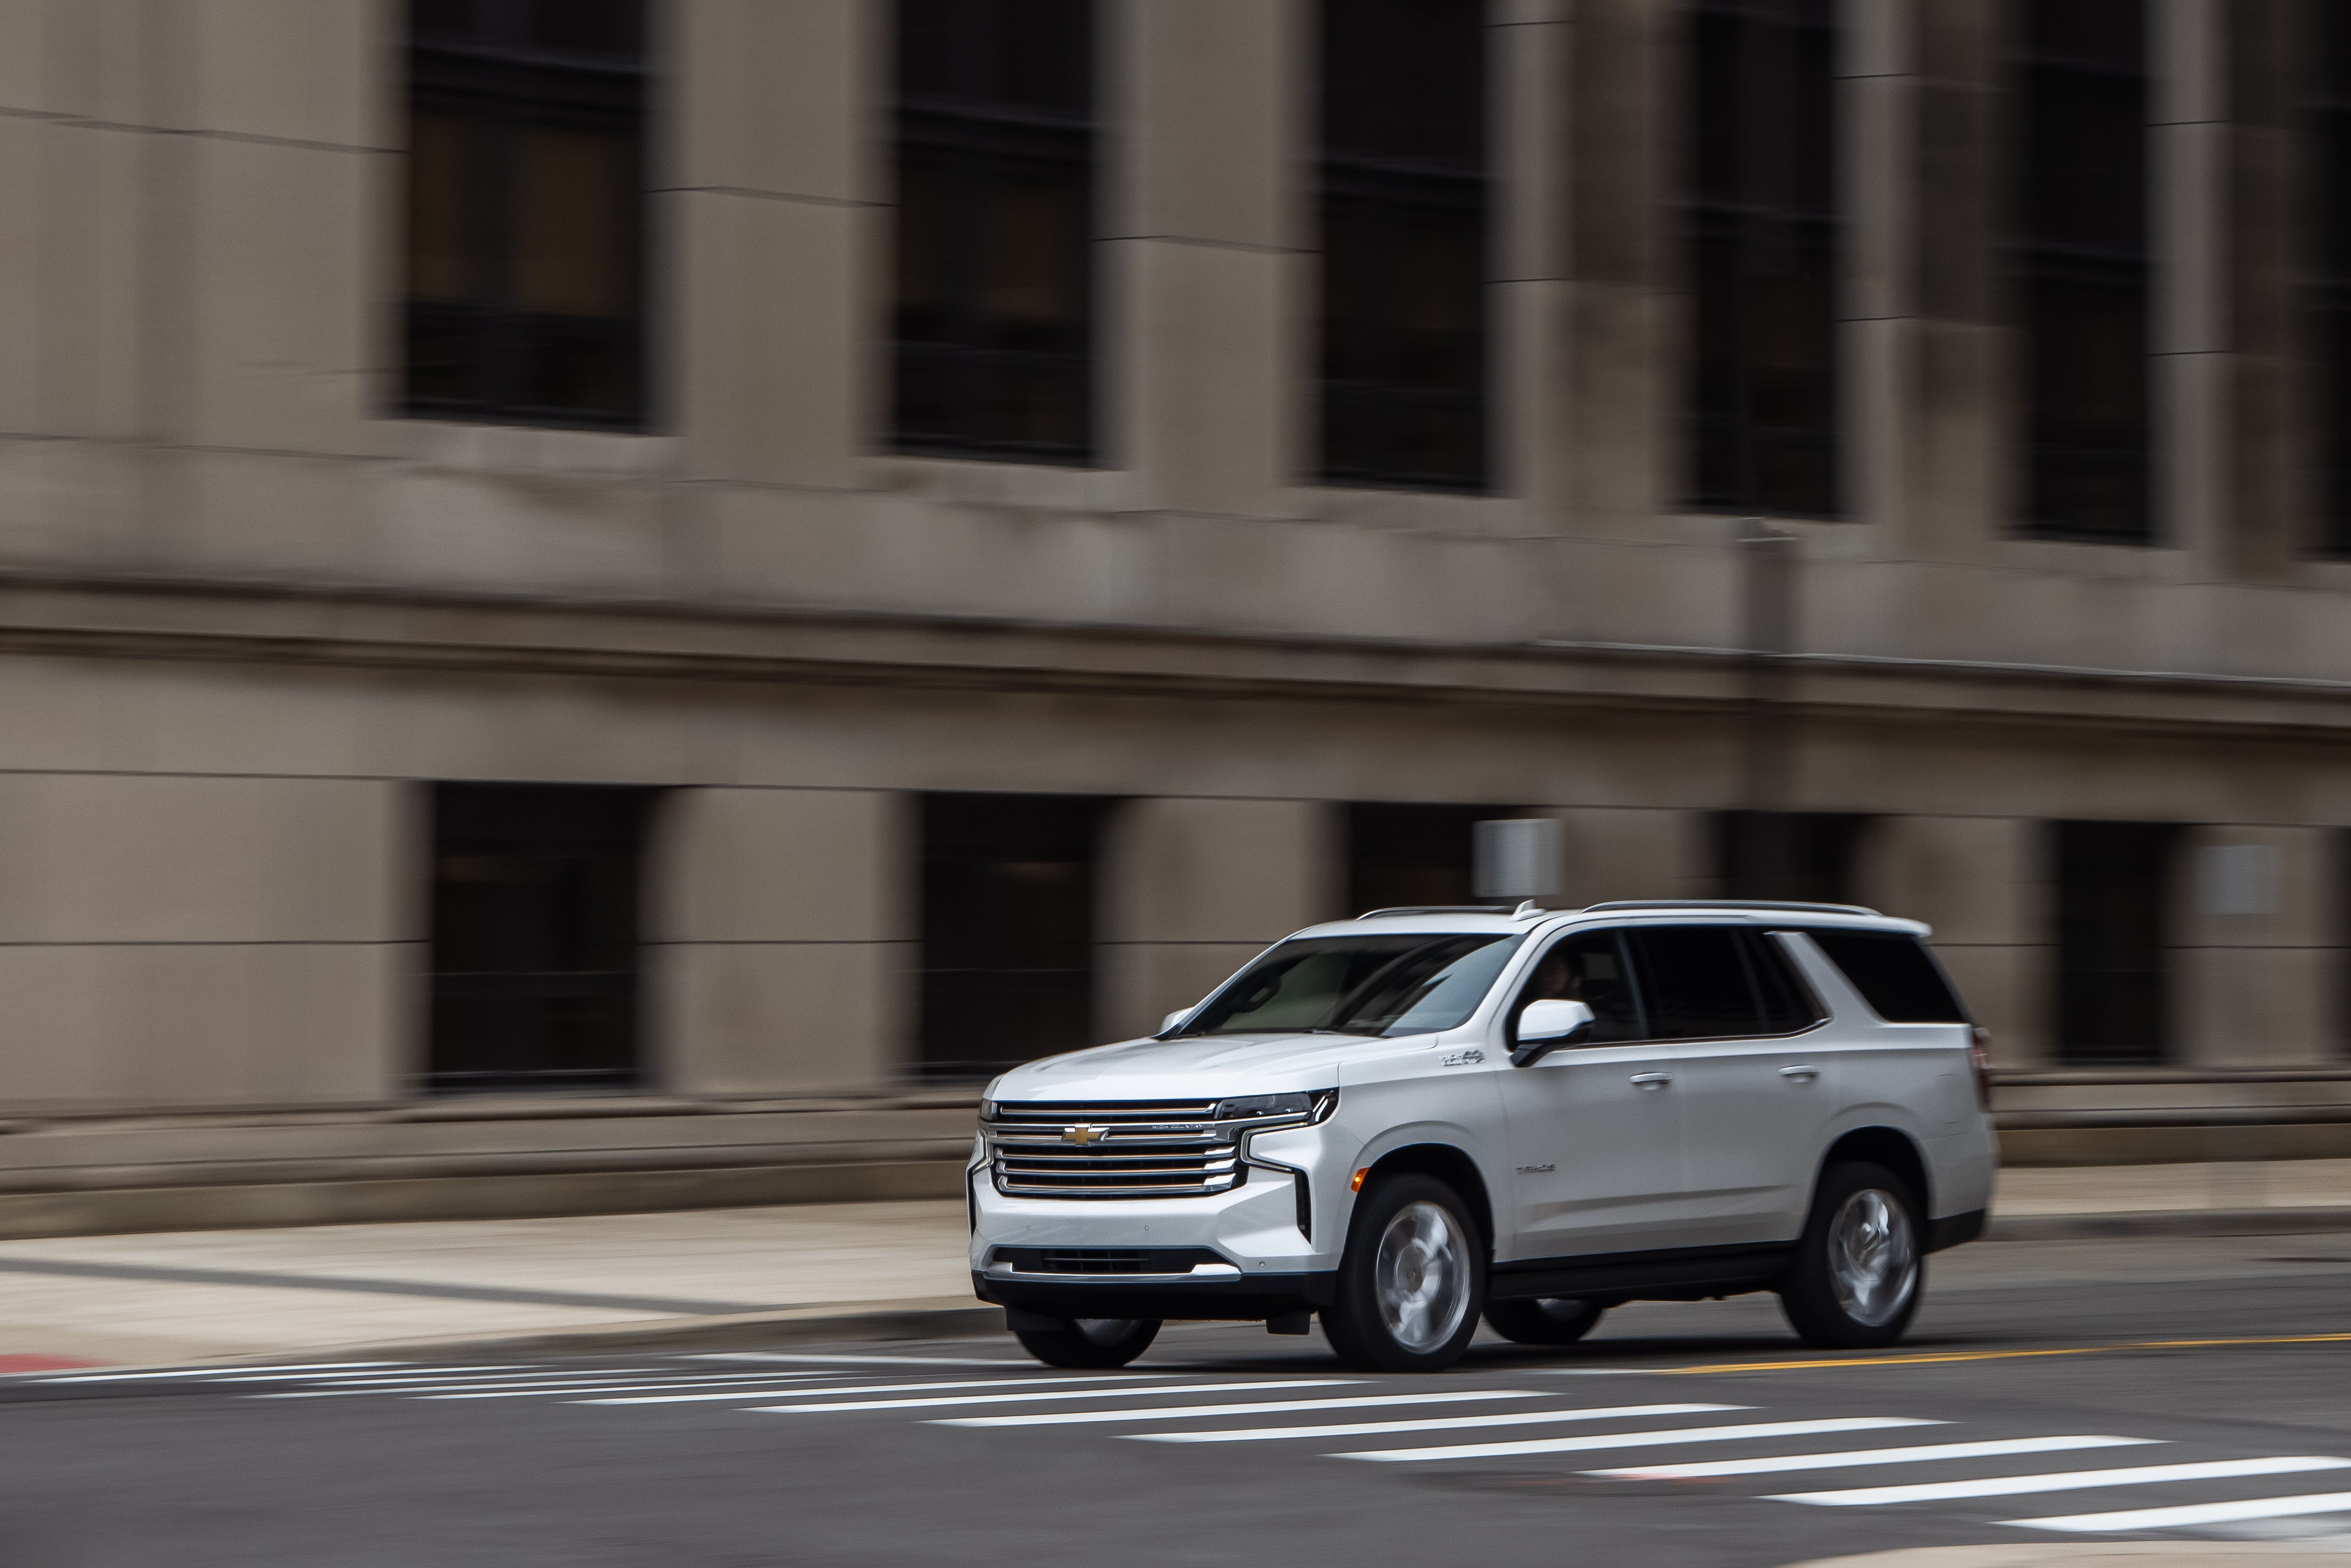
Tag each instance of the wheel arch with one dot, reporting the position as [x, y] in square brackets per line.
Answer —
[1887, 1146]
[1448, 1163]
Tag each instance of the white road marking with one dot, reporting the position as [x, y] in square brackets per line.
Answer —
[2064, 1480]
[854, 1360]
[1639, 1439]
[520, 1390]
[1066, 1394]
[1079, 1417]
[1350, 1429]
[1923, 1454]
[2192, 1513]
[901, 1388]
[215, 1372]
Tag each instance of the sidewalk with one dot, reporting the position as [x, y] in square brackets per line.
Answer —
[746, 1276]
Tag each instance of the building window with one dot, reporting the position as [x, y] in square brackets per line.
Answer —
[2081, 264]
[1762, 231]
[1008, 930]
[995, 279]
[526, 208]
[1804, 857]
[1404, 244]
[2331, 203]
[534, 938]
[1401, 857]
[2114, 907]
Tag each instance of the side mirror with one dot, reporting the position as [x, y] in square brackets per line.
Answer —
[1545, 1026]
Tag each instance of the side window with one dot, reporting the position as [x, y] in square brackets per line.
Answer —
[1789, 1004]
[1893, 974]
[1694, 982]
[1588, 966]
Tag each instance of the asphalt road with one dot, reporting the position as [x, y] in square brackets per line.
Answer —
[2029, 1360]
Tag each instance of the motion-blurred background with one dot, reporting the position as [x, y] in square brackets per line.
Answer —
[611, 602]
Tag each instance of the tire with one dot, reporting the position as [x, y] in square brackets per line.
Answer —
[1091, 1342]
[1860, 1267]
[1548, 1320]
[1412, 1281]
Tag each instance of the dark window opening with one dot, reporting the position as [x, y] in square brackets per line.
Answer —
[2331, 292]
[1403, 167]
[1762, 229]
[995, 254]
[1591, 968]
[526, 212]
[1716, 982]
[534, 937]
[2114, 898]
[1804, 857]
[2080, 257]
[1894, 973]
[1403, 857]
[1008, 930]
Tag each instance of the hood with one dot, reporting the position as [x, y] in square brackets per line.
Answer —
[1201, 1067]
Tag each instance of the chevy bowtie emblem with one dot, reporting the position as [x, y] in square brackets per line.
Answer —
[1081, 1133]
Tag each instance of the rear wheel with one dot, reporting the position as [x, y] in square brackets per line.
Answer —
[1412, 1281]
[1858, 1271]
[1091, 1342]
[1547, 1319]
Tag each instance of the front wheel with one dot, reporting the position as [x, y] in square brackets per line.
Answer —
[1858, 1272]
[1091, 1342]
[1547, 1319]
[1412, 1281]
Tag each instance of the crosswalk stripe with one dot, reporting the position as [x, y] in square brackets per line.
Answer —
[413, 1373]
[215, 1372]
[1066, 1394]
[899, 1387]
[854, 1360]
[1639, 1439]
[527, 1390]
[2192, 1513]
[2064, 1480]
[1439, 1424]
[1921, 1454]
[1079, 1417]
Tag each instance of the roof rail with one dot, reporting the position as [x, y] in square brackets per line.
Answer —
[1738, 903]
[1437, 909]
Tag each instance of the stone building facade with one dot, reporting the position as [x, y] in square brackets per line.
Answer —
[892, 742]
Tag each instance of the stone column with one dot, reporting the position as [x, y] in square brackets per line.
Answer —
[2257, 978]
[1981, 883]
[780, 940]
[1192, 889]
[1529, 315]
[1962, 478]
[1877, 101]
[1205, 263]
[777, 244]
[2188, 326]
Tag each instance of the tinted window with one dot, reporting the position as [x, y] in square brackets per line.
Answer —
[1359, 984]
[1590, 966]
[1893, 975]
[1788, 1004]
[1694, 982]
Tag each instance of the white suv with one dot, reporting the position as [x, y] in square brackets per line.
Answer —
[1406, 1120]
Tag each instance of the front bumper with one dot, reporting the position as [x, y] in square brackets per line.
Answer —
[1234, 1296]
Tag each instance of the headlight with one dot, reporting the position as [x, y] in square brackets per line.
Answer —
[987, 1110]
[1256, 1107]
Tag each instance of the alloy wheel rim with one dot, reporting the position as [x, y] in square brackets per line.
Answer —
[1873, 1261]
[1421, 1277]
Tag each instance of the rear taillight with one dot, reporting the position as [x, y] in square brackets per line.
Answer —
[1980, 1058]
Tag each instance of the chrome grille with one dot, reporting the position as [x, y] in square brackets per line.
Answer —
[1135, 1148]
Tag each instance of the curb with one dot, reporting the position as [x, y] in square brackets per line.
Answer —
[918, 1320]
[2168, 1222]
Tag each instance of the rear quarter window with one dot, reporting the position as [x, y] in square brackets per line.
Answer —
[1894, 973]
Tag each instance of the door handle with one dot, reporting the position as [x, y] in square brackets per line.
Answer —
[1800, 1073]
[1650, 1080]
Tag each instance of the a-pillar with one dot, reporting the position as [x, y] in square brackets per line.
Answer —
[780, 940]
[1193, 888]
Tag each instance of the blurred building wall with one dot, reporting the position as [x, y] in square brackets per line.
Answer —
[255, 607]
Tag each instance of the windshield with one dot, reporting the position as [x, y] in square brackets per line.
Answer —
[1358, 985]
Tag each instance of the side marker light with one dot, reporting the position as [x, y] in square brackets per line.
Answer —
[1356, 1183]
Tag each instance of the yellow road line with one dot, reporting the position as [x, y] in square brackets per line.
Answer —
[1927, 1357]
